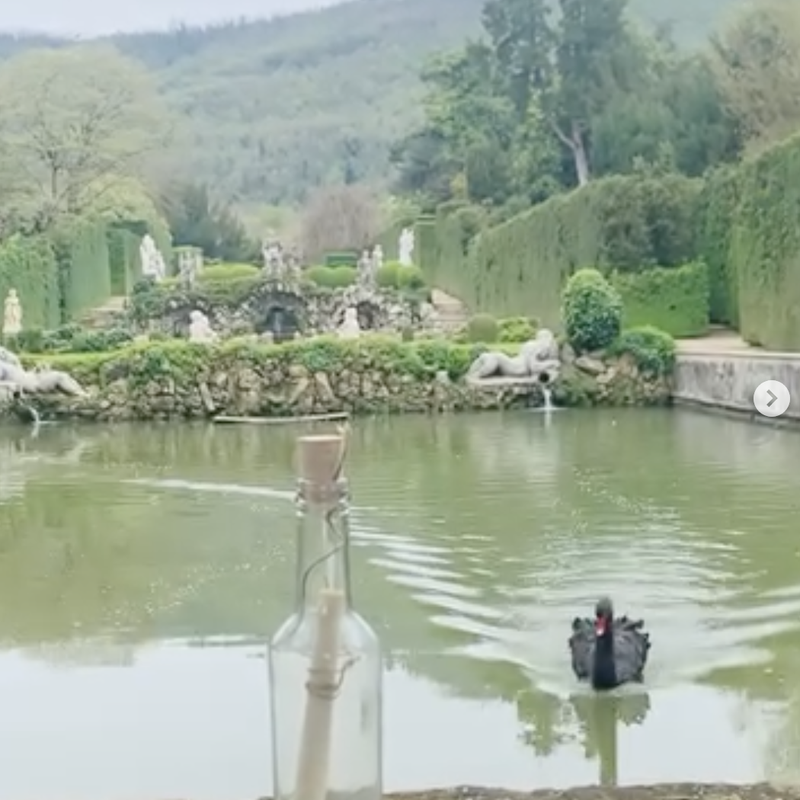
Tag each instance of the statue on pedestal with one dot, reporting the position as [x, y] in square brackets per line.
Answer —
[200, 330]
[272, 255]
[12, 314]
[405, 247]
[350, 329]
[190, 262]
[153, 265]
[366, 271]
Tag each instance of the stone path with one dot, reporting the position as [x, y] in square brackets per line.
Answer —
[726, 342]
[453, 314]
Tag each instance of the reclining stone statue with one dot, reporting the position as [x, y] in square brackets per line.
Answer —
[537, 359]
[41, 380]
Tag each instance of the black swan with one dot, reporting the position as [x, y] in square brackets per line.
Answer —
[607, 651]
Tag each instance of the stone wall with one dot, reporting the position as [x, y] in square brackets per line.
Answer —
[180, 380]
[728, 381]
[259, 306]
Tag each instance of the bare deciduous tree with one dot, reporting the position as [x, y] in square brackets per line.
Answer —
[74, 121]
[339, 218]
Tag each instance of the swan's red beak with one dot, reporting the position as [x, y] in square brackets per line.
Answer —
[600, 626]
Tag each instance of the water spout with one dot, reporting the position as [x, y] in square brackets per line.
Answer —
[547, 394]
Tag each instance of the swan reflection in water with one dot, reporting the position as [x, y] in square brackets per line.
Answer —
[597, 716]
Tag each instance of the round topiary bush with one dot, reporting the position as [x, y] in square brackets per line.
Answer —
[410, 277]
[387, 276]
[652, 349]
[592, 311]
[227, 272]
[483, 328]
[332, 277]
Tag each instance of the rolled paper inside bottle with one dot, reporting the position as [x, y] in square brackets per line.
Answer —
[324, 680]
[319, 466]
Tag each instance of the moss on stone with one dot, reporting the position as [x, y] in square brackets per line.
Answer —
[178, 379]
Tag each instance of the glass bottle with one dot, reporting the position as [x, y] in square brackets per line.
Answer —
[325, 661]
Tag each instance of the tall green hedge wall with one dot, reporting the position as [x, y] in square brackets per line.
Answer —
[750, 237]
[78, 265]
[622, 223]
[741, 221]
[124, 263]
[675, 299]
[82, 253]
[29, 265]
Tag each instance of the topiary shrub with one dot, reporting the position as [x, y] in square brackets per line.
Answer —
[483, 328]
[517, 329]
[387, 276]
[224, 272]
[332, 277]
[410, 277]
[592, 311]
[652, 349]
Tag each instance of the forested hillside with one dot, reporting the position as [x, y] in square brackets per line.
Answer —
[276, 107]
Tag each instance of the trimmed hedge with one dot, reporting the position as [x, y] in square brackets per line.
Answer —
[756, 265]
[592, 311]
[718, 204]
[81, 249]
[675, 300]
[124, 263]
[28, 264]
[623, 223]
[333, 277]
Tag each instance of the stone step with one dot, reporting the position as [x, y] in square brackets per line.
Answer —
[105, 315]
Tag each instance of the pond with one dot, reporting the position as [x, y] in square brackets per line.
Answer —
[143, 568]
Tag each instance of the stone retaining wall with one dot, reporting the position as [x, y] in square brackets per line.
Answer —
[727, 380]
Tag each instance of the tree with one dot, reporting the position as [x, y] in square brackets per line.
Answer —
[195, 220]
[592, 39]
[339, 218]
[73, 122]
[522, 39]
[756, 62]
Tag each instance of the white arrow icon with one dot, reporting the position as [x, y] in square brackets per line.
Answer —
[771, 399]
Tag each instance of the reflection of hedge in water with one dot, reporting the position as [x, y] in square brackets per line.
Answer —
[102, 564]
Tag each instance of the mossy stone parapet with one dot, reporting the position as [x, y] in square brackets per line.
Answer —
[175, 380]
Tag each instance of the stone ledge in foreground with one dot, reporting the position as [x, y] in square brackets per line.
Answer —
[659, 791]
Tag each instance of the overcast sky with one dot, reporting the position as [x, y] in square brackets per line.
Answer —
[93, 17]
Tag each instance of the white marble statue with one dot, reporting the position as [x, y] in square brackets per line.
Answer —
[41, 380]
[405, 247]
[12, 314]
[350, 329]
[366, 271]
[377, 259]
[538, 359]
[153, 265]
[190, 263]
[200, 330]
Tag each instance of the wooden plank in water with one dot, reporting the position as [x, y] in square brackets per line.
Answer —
[337, 415]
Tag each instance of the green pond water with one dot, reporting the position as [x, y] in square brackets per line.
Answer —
[143, 568]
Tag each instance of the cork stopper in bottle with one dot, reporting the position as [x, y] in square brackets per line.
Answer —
[319, 464]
